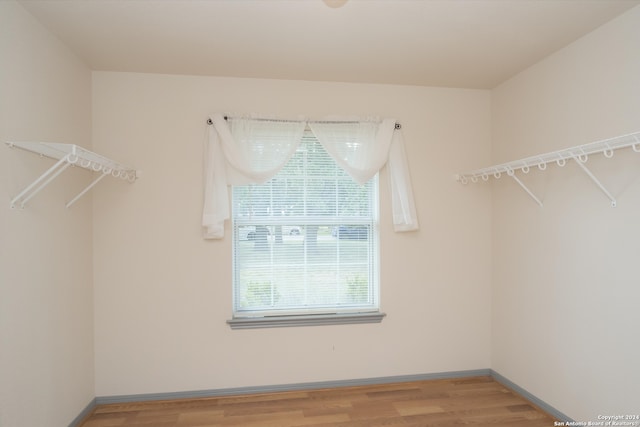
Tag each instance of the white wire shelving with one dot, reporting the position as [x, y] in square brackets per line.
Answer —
[578, 154]
[68, 155]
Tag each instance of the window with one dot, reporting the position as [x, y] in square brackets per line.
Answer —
[306, 242]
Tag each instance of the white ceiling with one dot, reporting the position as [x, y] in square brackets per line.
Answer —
[450, 43]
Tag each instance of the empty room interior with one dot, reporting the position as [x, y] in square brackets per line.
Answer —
[456, 199]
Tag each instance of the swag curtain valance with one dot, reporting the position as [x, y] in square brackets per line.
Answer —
[250, 150]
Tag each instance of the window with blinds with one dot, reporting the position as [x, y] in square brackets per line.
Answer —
[305, 242]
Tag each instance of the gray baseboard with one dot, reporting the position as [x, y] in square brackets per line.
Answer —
[84, 414]
[103, 400]
[530, 397]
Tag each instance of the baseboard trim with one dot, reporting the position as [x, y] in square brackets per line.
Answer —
[105, 400]
[198, 394]
[84, 414]
[530, 397]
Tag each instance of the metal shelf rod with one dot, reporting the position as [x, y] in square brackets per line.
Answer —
[605, 147]
[69, 155]
[579, 154]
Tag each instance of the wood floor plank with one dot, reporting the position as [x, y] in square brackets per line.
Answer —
[417, 407]
[473, 401]
[373, 410]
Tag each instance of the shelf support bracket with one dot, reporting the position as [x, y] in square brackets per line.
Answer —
[89, 187]
[597, 182]
[525, 188]
[37, 185]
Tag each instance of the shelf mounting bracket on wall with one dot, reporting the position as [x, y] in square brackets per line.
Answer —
[524, 187]
[68, 155]
[596, 181]
[579, 154]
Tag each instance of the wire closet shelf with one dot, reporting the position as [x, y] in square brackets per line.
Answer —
[69, 155]
[579, 154]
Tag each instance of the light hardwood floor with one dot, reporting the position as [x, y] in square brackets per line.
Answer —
[475, 401]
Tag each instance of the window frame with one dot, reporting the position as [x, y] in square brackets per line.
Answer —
[331, 315]
[278, 321]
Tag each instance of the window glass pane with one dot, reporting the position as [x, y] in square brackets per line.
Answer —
[306, 241]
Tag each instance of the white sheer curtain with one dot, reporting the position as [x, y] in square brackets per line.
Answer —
[242, 151]
[251, 150]
[362, 148]
[403, 207]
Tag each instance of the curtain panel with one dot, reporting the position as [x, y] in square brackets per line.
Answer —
[253, 150]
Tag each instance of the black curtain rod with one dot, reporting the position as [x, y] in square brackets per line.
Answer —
[210, 122]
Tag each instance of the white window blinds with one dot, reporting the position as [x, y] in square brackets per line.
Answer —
[306, 240]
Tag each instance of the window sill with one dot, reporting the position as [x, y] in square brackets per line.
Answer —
[304, 320]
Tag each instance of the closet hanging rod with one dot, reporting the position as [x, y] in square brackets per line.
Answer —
[210, 122]
[579, 153]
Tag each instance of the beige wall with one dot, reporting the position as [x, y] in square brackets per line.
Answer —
[163, 294]
[560, 320]
[565, 293]
[46, 298]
